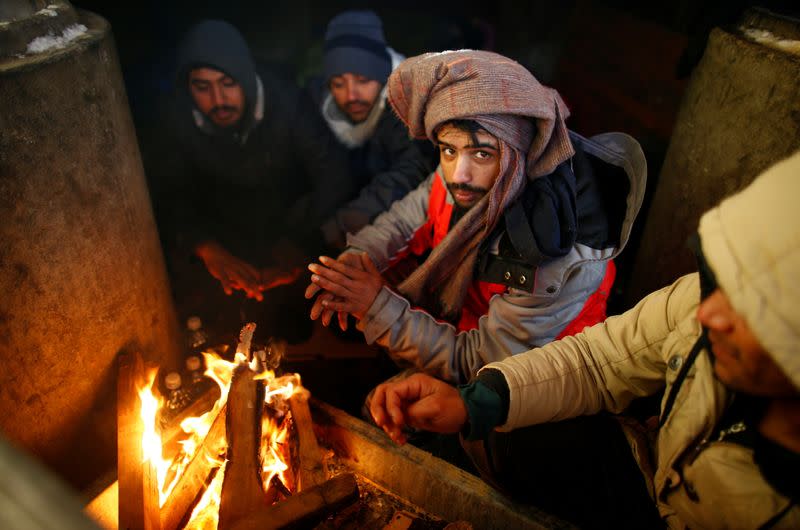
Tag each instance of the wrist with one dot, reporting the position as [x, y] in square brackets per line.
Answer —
[205, 248]
[482, 410]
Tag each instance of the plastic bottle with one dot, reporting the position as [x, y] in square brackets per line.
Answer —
[197, 382]
[196, 337]
[178, 397]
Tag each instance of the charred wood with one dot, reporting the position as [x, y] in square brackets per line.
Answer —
[242, 492]
[306, 508]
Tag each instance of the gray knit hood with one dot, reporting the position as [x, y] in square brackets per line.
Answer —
[217, 44]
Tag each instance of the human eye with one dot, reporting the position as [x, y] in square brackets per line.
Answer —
[337, 82]
[447, 151]
[228, 82]
[483, 155]
[200, 86]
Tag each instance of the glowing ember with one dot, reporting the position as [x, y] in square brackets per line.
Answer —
[274, 433]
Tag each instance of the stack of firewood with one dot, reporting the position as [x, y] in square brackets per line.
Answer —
[234, 433]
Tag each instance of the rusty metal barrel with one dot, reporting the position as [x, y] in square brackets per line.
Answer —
[82, 274]
[740, 114]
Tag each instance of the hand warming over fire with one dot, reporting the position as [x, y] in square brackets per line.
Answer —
[272, 277]
[232, 272]
[420, 402]
[350, 285]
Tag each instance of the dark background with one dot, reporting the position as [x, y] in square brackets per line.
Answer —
[620, 65]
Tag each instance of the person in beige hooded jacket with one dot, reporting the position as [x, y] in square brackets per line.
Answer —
[724, 346]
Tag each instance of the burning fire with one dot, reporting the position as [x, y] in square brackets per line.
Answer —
[273, 433]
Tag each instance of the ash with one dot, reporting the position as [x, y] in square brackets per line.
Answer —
[375, 507]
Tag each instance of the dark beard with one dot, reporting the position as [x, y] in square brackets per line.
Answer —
[458, 213]
[453, 186]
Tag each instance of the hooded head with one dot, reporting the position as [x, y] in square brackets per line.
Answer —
[751, 242]
[217, 45]
[354, 43]
[504, 99]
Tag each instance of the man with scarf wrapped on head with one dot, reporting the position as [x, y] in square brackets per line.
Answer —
[722, 344]
[244, 172]
[519, 223]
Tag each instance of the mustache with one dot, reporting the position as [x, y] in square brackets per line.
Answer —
[463, 186]
[350, 104]
[222, 108]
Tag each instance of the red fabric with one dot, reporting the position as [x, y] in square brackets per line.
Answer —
[594, 310]
[476, 303]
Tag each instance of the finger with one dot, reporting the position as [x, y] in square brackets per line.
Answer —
[327, 316]
[254, 293]
[394, 405]
[351, 268]
[226, 284]
[339, 305]
[250, 289]
[318, 308]
[400, 438]
[376, 405]
[330, 286]
[333, 275]
[329, 310]
[342, 320]
[311, 290]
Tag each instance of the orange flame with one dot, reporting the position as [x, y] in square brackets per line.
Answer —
[274, 433]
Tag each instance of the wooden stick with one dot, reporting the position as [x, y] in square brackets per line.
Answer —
[246, 338]
[172, 432]
[310, 469]
[242, 492]
[196, 475]
[305, 509]
[138, 485]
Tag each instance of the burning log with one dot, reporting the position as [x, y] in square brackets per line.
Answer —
[306, 508]
[245, 339]
[196, 475]
[311, 471]
[138, 483]
[242, 492]
[204, 403]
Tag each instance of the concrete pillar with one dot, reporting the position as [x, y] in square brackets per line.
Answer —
[740, 114]
[82, 276]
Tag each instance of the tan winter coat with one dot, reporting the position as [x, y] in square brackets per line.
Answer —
[752, 242]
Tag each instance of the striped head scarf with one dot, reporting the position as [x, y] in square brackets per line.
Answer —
[526, 117]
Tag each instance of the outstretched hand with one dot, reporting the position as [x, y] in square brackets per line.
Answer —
[272, 277]
[233, 273]
[420, 402]
[350, 284]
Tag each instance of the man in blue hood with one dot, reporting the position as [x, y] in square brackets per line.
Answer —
[351, 96]
[244, 176]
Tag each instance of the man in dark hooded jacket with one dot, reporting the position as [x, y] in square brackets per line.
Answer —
[243, 178]
[351, 95]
